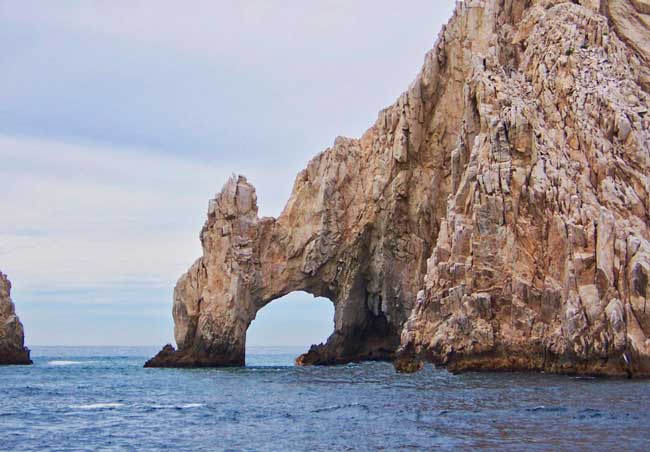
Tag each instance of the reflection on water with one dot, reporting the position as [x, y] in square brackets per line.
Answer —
[102, 399]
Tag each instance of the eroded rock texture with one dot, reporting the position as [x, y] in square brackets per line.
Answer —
[12, 338]
[495, 217]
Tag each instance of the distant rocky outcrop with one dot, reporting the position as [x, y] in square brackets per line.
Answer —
[495, 217]
[12, 338]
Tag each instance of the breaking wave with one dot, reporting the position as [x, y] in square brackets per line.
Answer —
[98, 406]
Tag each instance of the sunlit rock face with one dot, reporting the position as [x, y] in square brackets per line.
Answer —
[12, 338]
[495, 217]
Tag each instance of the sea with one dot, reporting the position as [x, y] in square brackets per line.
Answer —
[102, 399]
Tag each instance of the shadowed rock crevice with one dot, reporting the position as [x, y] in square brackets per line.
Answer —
[495, 217]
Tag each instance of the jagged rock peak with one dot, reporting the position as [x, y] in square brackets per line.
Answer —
[12, 338]
[494, 217]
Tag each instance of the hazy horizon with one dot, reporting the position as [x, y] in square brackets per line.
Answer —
[120, 120]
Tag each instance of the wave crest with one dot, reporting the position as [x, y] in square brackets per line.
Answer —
[98, 406]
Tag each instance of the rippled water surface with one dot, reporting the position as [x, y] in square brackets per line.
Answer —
[102, 399]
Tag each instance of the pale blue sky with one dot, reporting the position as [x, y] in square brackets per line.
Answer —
[120, 119]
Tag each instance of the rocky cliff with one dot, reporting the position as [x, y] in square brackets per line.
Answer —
[12, 338]
[494, 217]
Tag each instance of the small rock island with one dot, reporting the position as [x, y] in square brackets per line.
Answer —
[496, 217]
[12, 336]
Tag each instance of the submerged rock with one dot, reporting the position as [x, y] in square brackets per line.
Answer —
[12, 337]
[495, 217]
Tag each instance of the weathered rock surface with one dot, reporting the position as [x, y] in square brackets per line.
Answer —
[12, 338]
[495, 217]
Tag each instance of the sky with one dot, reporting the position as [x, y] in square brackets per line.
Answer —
[120, 119]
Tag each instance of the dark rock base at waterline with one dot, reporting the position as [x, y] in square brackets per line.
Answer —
[628, 365]
[318, 355]
[14, 356]
[171, 358]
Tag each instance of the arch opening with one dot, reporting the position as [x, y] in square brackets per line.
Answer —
[287, 327]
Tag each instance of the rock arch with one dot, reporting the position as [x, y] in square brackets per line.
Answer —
[317, 246]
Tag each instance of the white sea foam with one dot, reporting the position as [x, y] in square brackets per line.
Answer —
[97, 406]
[191, 405]
[63, 363]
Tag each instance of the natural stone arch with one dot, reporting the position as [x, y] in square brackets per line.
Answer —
[319, 245]
[360, 224]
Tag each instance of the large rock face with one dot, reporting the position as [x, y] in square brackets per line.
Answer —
[495, 217]
[12, 338]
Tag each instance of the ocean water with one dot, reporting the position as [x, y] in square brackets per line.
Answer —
[101, 399]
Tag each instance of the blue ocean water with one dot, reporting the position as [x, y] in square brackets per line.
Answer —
[102, 399]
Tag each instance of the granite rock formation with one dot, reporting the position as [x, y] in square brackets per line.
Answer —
[495, 217]
[12, 337]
